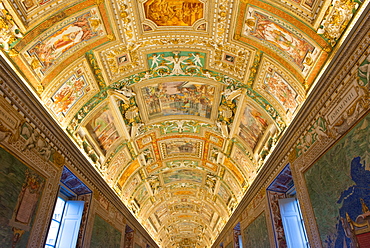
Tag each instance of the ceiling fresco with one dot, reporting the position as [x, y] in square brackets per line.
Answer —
[177, 104]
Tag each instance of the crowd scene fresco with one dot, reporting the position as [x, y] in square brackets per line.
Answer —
[174, 13]
[179, 98]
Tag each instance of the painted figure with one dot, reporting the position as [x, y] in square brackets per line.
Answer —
[155, 60]
[50, 49]
[177, 61]
[68, 94]
[103, 129]
[174, 12]
[179, 98]
[196, 60]
[281, 90]
[252, 126]
[296, 48]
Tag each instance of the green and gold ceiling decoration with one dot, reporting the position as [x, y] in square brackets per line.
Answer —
[177, 104]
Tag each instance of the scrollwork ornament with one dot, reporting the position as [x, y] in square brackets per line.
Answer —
[9, 32]
[337, 18]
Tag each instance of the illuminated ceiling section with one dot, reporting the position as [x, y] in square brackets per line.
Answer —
[177, 104]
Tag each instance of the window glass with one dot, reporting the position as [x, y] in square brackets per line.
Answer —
[55, 223]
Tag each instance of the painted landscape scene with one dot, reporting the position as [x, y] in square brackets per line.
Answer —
[179, 98]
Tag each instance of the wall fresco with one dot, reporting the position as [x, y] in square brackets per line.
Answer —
[127, 173]
[252, 126]
[20, 190]
[281, 91]
[104, 234]
[141, 194]
[129, 237]
[256, 235]
[337, 182]
[68, 94]
[174, 12]
[276, 34]
[179, 98]
[180, 147]
[102, 128]
[68, 37]
[182, 175]
[223, 193]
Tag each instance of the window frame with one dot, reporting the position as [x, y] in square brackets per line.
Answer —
[66, 196]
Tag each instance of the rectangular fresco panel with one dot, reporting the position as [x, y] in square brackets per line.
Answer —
[177, 148]
[104, 235]
[223, 193]
[339, 184]
[241, 157]
[252, 126]
[102, 128]
[174, 12]
[281, 91]
[278, 35]
[20, 190]
[69, 36]
[182, 175]
[141, 194]
[127, 173]
[256, 235]
[178, 98]
[68, 94]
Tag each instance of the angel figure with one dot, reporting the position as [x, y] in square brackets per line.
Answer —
[196, 60]
[155, 60]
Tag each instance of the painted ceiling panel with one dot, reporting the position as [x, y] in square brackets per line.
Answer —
[177, 104]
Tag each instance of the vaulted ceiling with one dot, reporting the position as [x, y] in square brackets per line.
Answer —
[176, 103]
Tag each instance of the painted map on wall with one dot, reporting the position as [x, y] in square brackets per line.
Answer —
[20, 192]
[256, 235]
[104, 235]
[179, 98]
[338, 183]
